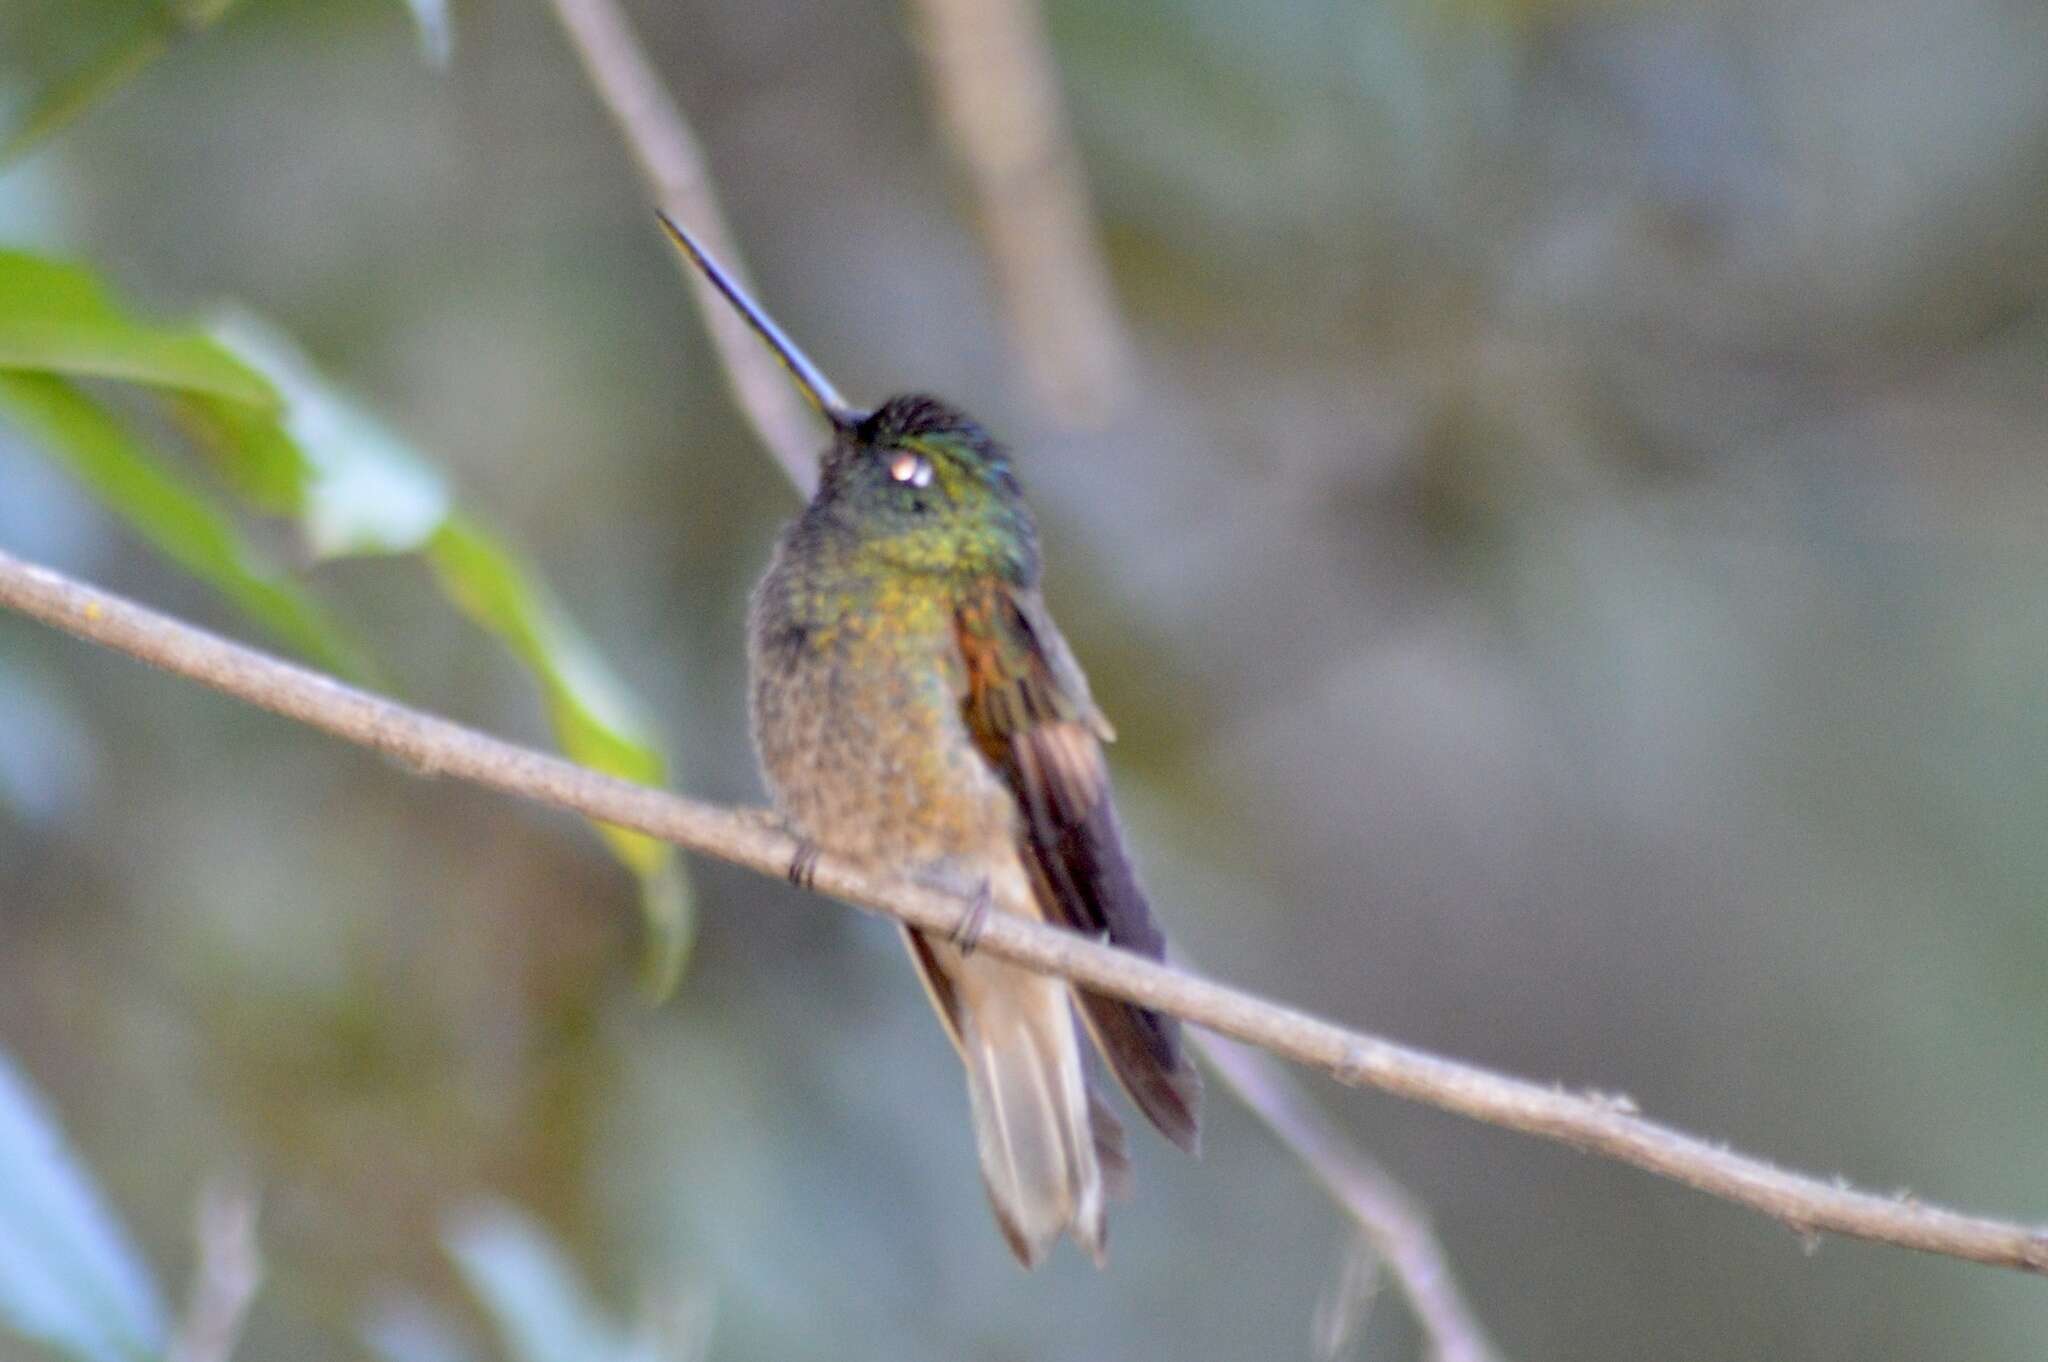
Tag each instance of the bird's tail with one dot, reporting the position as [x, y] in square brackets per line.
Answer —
[1050, 1150]
[1048, 1153]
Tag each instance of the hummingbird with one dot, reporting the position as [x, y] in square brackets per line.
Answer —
[915, 709]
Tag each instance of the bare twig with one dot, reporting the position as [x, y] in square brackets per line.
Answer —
[1595, 1123]
[997, 90]
[672, 163]
[229, 1270]
[1395, 1224]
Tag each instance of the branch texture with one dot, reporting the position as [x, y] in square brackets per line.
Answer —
[1392, 1220]
[672, 163]
[1597, 1124]
[998, 93]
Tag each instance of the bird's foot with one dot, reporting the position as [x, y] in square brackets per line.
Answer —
[967, 934]
[803, 867]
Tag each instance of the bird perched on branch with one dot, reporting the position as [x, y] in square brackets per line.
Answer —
[915, 708]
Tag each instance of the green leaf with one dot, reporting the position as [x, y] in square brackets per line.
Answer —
[534, 1298]
[176, 519]
[666, 907]
[599, 722]
[355, 487]
[72, 95]
[289, 444]
[595, 720]
[70, 1280]
[56, 318]
[159, 26]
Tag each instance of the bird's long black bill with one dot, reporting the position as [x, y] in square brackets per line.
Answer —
[808, 376]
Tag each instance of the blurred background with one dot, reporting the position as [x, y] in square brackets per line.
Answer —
[1559, 529]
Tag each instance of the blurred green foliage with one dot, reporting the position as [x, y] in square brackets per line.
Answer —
[70, 1279]
[153, 28]
[289, 444]
[1569, 583]
[542, 1309]
[56, 318]
[72, 1282]
[179, 520]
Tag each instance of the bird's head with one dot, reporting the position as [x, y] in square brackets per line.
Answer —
[925, 488]
[916, 484]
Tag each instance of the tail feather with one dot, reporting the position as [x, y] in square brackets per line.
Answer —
[1034, 1125]
[1143, 1049]
[1112, 1153]
[1051, 1151]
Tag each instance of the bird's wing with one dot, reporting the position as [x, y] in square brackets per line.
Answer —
[1028, 708]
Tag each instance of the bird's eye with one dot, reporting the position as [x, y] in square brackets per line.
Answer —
[914, 469]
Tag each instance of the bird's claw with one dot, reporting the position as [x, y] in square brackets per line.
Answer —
[966, 935]
[803, 866]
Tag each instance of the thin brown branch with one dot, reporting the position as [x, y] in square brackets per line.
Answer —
[1592, 1122]
[672, 163]
[998, 94]
[1392, 1220]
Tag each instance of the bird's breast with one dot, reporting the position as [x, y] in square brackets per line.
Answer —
[857, 722]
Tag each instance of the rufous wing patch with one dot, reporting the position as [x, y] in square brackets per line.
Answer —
[1039, 730]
